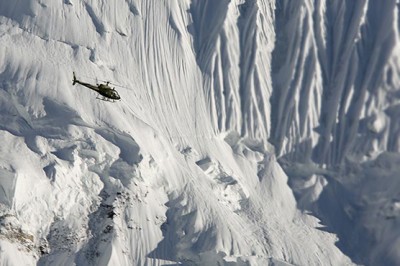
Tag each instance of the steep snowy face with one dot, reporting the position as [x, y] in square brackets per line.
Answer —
[335, 99]
[233, 42]
[339, 77]
[183, 169]
[319, 80]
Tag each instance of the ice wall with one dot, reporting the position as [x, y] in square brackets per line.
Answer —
[336, 84]
[335, 92]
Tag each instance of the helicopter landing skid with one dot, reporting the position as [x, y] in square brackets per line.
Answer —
[106, 99]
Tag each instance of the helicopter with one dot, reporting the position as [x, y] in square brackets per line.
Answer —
[104, 90]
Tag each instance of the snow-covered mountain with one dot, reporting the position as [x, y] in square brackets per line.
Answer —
[250, 132]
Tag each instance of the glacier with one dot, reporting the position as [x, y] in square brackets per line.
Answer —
[250, 132]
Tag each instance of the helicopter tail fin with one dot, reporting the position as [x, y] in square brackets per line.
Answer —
[74, 79]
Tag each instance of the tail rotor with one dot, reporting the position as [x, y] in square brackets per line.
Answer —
[74, 79]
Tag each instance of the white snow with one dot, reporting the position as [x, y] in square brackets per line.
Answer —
[249, 133]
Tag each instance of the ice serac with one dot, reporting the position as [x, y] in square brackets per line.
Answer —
[186, 169]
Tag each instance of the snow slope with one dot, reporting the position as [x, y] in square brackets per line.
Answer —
[337, 111]
[222, 101]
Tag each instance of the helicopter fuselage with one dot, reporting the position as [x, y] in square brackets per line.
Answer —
[103, 89]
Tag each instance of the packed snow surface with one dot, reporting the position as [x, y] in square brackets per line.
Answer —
[249, 132]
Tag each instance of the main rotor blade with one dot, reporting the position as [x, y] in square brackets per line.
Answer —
[105, 81]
